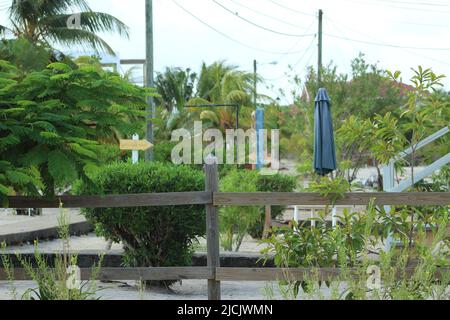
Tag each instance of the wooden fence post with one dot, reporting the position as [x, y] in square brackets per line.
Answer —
[212, 231]
[267, 221]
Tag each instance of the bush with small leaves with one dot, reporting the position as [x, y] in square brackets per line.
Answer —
[151, 236]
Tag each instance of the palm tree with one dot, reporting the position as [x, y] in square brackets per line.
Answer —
[175, 87]
[46, 22]
[220, 83]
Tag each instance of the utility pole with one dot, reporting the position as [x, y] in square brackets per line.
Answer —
[255, 83]
[149, 81]
[319, 66]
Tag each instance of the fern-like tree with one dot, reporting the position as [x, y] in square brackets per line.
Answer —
[46, 22]
[57, 122]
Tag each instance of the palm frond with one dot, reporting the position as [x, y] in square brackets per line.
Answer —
[94, 22]
[46, 21]
[4, 30]
[86, 40]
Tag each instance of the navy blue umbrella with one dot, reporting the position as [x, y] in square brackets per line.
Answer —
[324, 151]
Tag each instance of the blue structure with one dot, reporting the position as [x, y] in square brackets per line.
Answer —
[259, 126]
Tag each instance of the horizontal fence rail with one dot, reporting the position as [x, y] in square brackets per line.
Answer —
[222, 274]
[356, 198]
[300, 274]
[114, 201]
[230, 199]
[116, 274]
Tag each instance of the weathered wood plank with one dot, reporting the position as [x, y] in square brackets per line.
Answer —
[212, 230]
[226, 198]
[220, 274]
[355, 198]
[114, 201]
[294, 274]
[106, 274]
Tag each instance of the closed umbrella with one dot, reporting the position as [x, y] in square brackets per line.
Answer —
[324, 150]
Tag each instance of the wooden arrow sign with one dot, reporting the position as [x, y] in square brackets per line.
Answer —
[141, 145]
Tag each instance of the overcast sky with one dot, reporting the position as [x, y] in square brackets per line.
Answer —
[181, 40]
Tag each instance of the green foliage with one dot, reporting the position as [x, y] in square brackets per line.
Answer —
[424, 113]
[56, 122]
[327, 187]
[25, 55]
[236, 221]
[383, 136]
[354, 245]
[151, 236]
[162, 151]
[52, 277]
[175, 87]
[273, 183]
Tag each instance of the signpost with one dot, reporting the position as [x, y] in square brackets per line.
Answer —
[135, 145]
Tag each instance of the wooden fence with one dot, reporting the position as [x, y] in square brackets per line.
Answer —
[212, 199]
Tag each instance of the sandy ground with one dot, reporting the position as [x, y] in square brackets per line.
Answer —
[77, 243]
[188, 290]
[92, 242]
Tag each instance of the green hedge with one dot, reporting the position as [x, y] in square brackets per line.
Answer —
[274, 183]
[152, 236]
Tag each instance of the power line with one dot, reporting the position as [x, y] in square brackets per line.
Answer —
[400, 48]
[421, 24]
[265, 15]
[227, 36]
[301, 58]
[417, 3]
[397, 7]
[384, 44]
[291, 9]
[338, 49]
[311, 45]
[236, 14]
[300, 39]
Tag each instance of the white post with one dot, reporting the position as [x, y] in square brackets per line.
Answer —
[333, 217]
[296, 217]
[135, 153]
[388, 185]
[313, 215]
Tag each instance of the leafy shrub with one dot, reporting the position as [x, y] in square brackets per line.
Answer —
[353, 246]
[152, 236]
[236, 221]
[162, 151]
[274, 183]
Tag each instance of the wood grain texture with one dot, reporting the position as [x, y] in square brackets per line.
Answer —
[229, 198]
[355, 198]
[114, 201]
[167, 273]
[217, 275]
[212, 230]
[295, 274]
